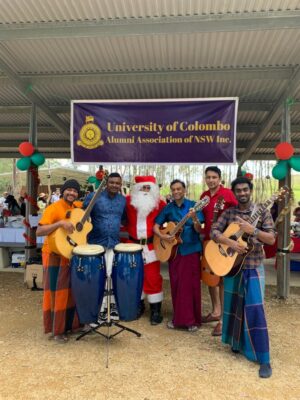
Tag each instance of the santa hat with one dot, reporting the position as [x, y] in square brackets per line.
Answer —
[145, 179]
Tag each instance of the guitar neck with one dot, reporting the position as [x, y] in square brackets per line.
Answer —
[198, 206]
[256, 215]
[179, 225]
[88, 210]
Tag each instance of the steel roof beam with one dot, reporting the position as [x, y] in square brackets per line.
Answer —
[268, 20]
[26, 89]
[65, 109]
[128, 77]
[274, 115]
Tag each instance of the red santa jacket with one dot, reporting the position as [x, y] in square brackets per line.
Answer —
[138, 227]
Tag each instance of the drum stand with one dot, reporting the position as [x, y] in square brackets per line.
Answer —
[109, 322]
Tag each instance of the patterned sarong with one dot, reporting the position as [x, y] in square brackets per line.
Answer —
[58, 304]
[244, 322]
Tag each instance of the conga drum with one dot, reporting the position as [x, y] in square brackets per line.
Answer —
[128, 278]
[88, 276]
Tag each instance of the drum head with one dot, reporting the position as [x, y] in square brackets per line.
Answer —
[88, 249]
[128, 247]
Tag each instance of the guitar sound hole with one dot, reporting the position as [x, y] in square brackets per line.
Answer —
[79, 227]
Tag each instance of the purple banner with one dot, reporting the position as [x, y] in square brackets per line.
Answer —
[185, 131]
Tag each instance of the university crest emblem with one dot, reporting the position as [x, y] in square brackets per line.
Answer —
[90, 134]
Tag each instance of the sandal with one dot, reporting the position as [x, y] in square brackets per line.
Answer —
[60, 338]
[210, 318]
[217, 330]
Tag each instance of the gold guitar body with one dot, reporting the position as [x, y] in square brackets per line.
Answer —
[62, 242]
[165, 250]
[222, 258]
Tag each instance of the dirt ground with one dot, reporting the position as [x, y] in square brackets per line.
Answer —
[161, 364]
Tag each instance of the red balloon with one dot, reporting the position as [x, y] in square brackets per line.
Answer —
[100, 175]
[284, 151]
[249, 176]
[26, 149]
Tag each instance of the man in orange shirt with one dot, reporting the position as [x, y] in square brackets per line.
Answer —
[58, 305]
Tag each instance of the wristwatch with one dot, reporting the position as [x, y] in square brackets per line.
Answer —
[255, 232]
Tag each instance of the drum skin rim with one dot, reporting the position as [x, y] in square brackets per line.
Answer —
[128, 248]
[88, 250]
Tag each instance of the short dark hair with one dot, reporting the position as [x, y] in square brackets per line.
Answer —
[177, 181]
[114, 175]
[213, 168]
[241, 179]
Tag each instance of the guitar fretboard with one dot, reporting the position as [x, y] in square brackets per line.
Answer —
[92, 202]
[257, 214]
[198, 206]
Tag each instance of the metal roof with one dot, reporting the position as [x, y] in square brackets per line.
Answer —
[55, 51]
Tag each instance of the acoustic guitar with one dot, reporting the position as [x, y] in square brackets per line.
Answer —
[207, 275]
[224, 260]
[167, 250]
[60, 241]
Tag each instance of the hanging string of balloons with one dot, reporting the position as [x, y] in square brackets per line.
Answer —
[96, 180]
[285, 154]
[247, 175]
[30, 161]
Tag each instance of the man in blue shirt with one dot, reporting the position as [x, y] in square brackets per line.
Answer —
[184, 268]
[107, 215]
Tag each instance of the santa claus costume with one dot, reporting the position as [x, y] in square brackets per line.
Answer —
[142, 207]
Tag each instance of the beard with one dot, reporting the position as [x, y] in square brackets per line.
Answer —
[145, 202]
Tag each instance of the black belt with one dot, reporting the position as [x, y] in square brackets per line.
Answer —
[142, 241]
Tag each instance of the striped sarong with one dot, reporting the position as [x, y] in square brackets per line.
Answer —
[244, 322]
[58, 305]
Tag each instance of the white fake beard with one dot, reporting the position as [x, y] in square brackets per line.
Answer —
[144, 202]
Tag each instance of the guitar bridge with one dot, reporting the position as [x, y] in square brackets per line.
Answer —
[71, 242]
[162, 244]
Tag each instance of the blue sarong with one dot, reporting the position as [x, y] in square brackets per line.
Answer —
[244, 322]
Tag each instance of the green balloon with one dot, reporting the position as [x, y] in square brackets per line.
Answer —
[243, 172]
[295, 163]
[23, 163]
[37, 159]
[280, 170]
[92, 179]
[97, 184]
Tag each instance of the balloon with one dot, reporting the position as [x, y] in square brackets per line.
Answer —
[92, 179]
[284, 151]
[280, 170]
[97, 184]
[99, 175]
[37, 159]
[26, 149]
[243, 172]
[295, 163]
[249, 176]
[23, 163]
